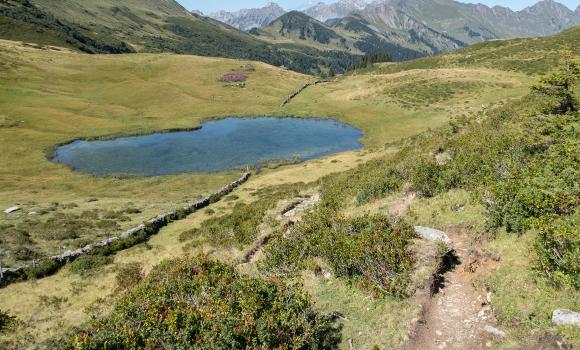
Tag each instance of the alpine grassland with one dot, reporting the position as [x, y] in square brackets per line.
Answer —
[314, 255]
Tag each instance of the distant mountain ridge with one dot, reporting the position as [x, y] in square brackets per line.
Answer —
[246, 19]
[467, 23]
[324, 12]
[153, 26]
[356, 34]
[405, 29]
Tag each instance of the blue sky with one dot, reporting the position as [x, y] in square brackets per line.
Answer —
[213, 5]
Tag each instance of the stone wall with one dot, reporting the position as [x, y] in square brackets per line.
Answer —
[126, 239]
[302, 88]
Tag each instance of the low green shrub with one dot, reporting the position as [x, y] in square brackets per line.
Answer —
[88, 264]
[52, 301]
[6, 321]
[26, 254]
[370, 250]
[129, 275]
[195, 303]
[427, 178]
[558, 247]
[240, 227]
[42, 269]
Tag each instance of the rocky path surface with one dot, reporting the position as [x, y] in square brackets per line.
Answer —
[458, 316]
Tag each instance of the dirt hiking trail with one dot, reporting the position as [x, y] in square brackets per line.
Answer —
[458, 315]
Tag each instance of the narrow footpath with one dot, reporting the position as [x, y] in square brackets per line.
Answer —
[458, 316]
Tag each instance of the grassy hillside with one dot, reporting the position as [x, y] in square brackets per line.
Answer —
[451, 106]
[389, 107]
[529, 56]
[25, 22]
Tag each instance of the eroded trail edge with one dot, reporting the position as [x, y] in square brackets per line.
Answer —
[456, 315]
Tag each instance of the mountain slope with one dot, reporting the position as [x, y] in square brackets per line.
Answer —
[247, 19]
[475, 23]
[297, 27]
[111, 26]
[431, 26]
[356, 34]
[21, 20]
[398, 27]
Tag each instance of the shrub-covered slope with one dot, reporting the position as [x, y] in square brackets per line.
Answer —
[199, 304]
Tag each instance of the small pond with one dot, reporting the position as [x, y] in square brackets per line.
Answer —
[218, 146]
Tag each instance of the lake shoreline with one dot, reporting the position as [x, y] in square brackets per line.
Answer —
[217, 145]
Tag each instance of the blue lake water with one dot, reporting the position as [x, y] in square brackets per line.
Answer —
[218, 146]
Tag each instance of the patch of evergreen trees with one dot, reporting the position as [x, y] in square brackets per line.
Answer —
[369, 59]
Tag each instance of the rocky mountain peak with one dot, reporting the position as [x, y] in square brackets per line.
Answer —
[547, 5]
[357, 4]
[272, 6]
[340, 9]
[247, 19]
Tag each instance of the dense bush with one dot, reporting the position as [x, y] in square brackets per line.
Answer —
[559, 87]
[371, 250]
[428, 178]
[6, 321]
[129, 275]
[43, 268]
[88, 264]
[194, 303]
[558, 248]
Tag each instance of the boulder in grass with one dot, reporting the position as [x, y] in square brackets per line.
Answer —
[563, 317]
[12, 210]
[430, 234]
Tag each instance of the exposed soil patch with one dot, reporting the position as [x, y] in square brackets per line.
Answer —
[457, 316]
[401, 206]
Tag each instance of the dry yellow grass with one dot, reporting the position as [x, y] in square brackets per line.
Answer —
[390, 107]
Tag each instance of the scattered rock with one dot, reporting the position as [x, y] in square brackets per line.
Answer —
[430, 234]
[494, 331]
[483, 312]
[489, 297]
[458, 208]
[442, 158]
[32, 213]
[92, 199]
[12, 210]
[563, 317]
